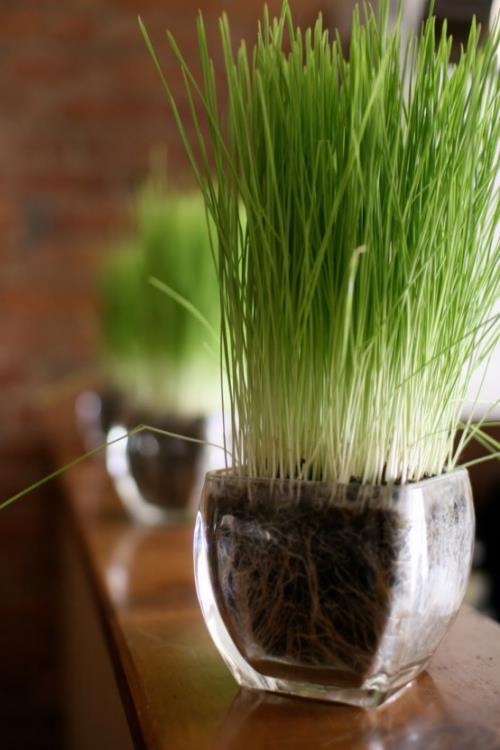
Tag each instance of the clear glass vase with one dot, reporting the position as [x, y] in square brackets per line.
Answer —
[158, 477]
[96, 412]
[335, 592]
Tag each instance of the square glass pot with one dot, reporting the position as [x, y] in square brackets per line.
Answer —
[330, 591]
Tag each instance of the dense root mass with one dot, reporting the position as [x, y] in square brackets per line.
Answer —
[302, 583]
[327, 590]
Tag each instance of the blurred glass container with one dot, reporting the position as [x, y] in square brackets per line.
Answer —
[159, 477]
[96, 412]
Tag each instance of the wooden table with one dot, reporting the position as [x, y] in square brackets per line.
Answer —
[141, 670]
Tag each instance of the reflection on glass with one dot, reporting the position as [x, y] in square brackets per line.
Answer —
[121, 566]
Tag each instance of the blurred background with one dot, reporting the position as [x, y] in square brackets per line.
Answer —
[81, 110]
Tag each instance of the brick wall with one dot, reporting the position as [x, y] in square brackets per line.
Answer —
[81, 107]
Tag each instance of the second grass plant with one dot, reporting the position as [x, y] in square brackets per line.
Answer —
[157, 352]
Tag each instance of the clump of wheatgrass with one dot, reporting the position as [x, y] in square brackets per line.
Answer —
[354, 205]
[160, 307]
[160, 317]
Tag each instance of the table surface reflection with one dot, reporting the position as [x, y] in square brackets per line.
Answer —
[175, 688]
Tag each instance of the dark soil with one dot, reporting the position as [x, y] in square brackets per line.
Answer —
[304, 586]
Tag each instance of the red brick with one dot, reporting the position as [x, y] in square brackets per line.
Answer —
[19, 25]
[81, 106]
